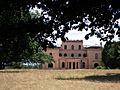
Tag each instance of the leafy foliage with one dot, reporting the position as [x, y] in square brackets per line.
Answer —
[111, 55]
[35, 53]
[99, 16]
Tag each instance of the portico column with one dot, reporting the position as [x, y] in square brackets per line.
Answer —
[68, 65]
[65, 64]
[78, 65]
[71, 65]
[60, 65]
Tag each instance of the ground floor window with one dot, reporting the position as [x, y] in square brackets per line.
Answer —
[95, 65]
[50, 65]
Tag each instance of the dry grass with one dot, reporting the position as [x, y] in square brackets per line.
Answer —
[60, 79]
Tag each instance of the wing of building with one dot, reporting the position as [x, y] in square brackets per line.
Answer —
[73, 55]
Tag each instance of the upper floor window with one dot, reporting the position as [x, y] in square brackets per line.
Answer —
[72, 55]
[65, 55]
[96, 56]
[84, 55]
[79, 55]
[65, 46]
[60, 54]
[72, 47]
[79, 47]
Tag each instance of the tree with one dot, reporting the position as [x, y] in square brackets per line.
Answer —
[35, 53]
[56, 19]
[99, 16]
[111, 55]
[102, 15]
[31, 54]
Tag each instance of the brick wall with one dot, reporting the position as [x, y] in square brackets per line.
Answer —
[72, 55]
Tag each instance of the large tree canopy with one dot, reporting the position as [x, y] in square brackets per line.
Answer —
[98, 15]
[56, 18]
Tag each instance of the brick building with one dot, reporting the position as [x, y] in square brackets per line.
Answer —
[73, 55]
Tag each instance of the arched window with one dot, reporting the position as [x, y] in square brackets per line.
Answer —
[84, 55]
[50, 65]
[72, 55]
[65, 46]
[79, 47]
[65, 55]
[63, 64]
[96, 56]
[60, 54]
[72, 47]
[79, 55]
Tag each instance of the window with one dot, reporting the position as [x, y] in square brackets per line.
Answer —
[63, 64]
[72, 55]
[95, 65]
[50, 53]
[79, 47]
[50, 65]
[60, 54]
[72, 47]
[79, 55]
[65, 46]
[65, 55]
[84, 55]
[96, 56]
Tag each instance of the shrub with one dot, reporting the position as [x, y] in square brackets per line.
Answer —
[17, 65]
[101, 67]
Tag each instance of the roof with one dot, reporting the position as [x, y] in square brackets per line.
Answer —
[93, 47]
[74, 41]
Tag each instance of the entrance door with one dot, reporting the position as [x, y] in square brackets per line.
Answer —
[69, 65]
[73, 65]
[83, 64]
[63, 64]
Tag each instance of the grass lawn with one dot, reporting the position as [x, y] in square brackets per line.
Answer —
[84, 79]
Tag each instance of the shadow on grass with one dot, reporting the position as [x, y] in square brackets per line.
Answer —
[12, 71]
[109, 77]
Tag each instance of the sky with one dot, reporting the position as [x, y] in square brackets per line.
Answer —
[80, 35]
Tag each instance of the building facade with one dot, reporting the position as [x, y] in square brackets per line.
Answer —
[73, 55]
